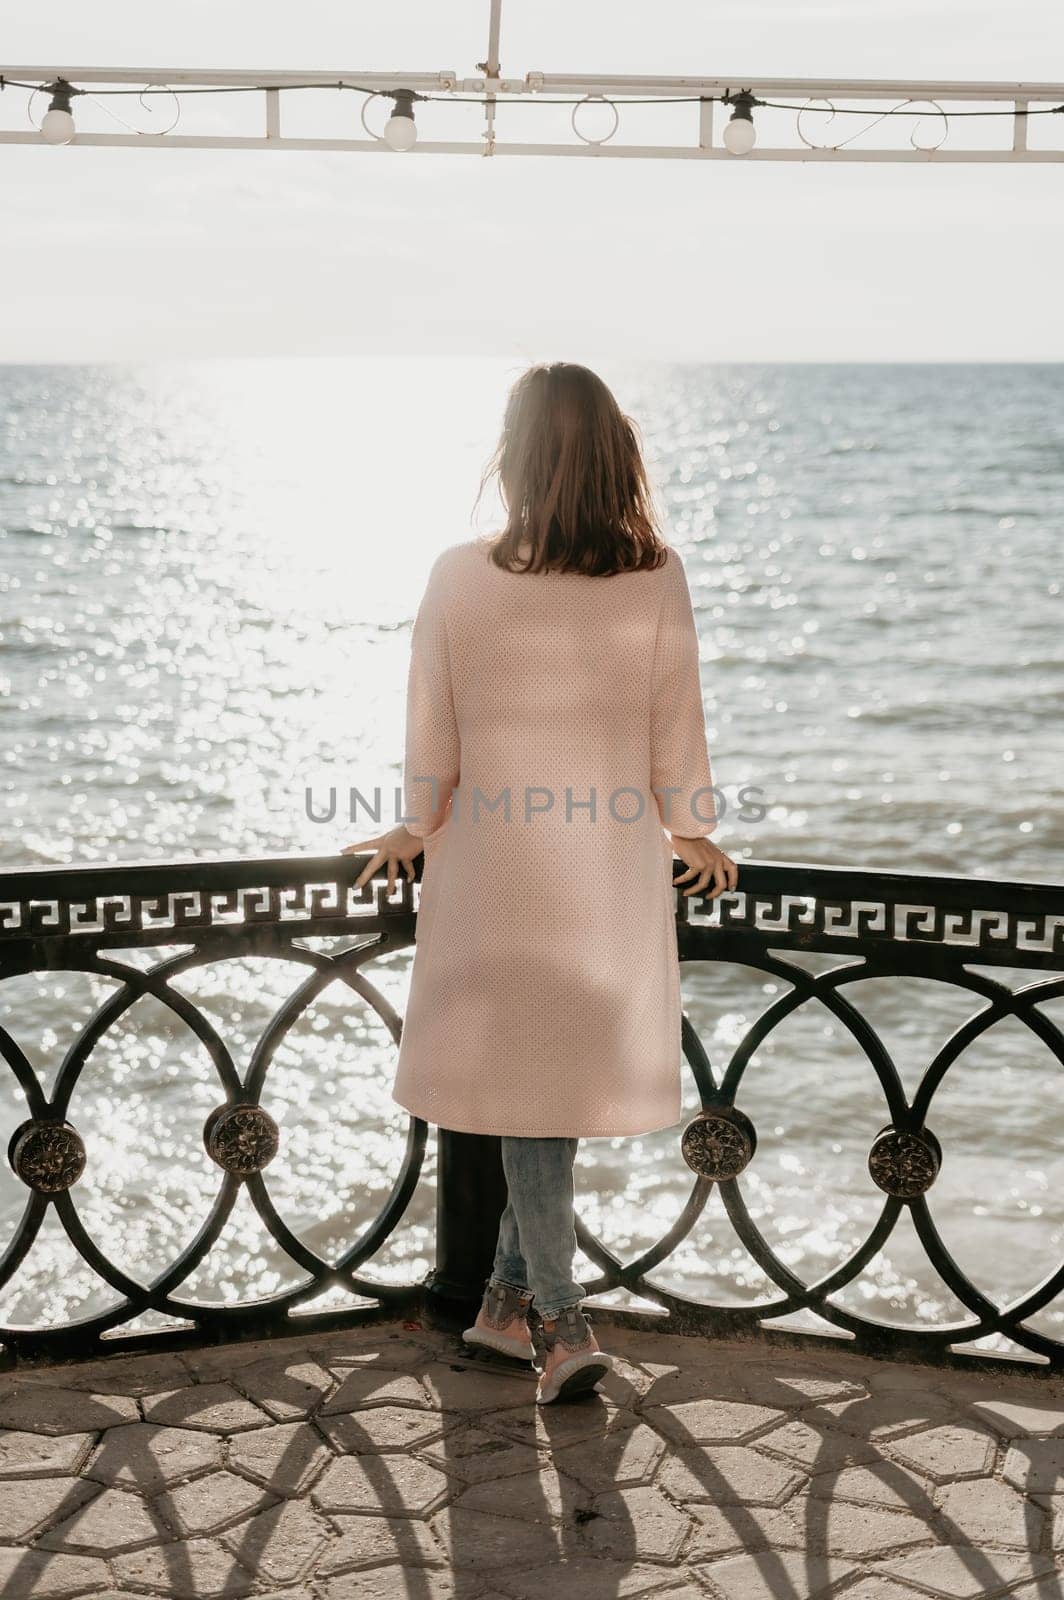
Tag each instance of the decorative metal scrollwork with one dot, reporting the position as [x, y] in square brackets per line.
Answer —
[904, 1162]
[886, 926]
[48, 1156]
[242, 1138]
[814, 107]
[144, 101]
[718, 1143]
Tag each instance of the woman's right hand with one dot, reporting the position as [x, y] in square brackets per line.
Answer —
[398, 847]
[705, 860]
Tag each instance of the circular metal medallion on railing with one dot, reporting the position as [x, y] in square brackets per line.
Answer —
[47, 1156]
[242, 1138]
[904, 1162]
[718, 1142]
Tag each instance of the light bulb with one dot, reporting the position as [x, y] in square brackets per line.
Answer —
[400, 131]
[57, 126]
[740, 135]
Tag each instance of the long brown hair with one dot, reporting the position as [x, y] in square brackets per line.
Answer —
[572, 478]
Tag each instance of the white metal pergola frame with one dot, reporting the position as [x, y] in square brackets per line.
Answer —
[882, 99]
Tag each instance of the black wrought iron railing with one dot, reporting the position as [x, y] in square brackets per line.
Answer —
[307, 910]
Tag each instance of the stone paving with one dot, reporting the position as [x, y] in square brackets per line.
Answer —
[389, 1462]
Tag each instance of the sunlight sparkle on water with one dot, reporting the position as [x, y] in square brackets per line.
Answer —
[209, 576]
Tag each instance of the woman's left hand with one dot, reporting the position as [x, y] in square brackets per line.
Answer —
[397, 846]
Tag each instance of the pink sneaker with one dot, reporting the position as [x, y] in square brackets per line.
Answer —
[502, 1322]
[568, 1359]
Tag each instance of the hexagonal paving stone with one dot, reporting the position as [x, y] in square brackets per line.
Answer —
[1015, 1419]
[299, 1592]
[27, 1455]
[478, 1539]
[476, 1386]
[623, 1458]
[848, 1529]
[114, 1520]
[687, 1589]
[712, 1421]
[514, 1490]
[200, 1567]
[880, 1587]
[390, 1583]
[211, 1503]
[772, 1574]
[471, 1454]
[556, 1426]
[285, 1458]
[957, 1450]
[369, 1541]
[281, 1543]
[369, 1387]
[983, 1511]
[288, 1390]
[40, 1575]
[728, 1474]
[657, 1350]
[626, 1382]
[595, 1578]
[636, 1524]
[107, 1594]
[1054, 1505]
[726, 1530]
[147, 1456]
[391, 1485]
[815, 1448]
[213, 1407]
[1046, 1587]
[27, 1507]
[36, 1409]
[790, 1383]
[884, 1484]
[674, 1385]
[1036, 1465]
[883, 1415]
[377, 1429]
[536, 1496]
[963, 1572]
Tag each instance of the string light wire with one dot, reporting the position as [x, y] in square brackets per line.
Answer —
[529, 98]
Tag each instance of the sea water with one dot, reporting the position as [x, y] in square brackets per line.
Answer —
[208, 573]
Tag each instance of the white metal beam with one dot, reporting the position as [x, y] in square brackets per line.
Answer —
[802, 88]
[630, 152]
[566, 82]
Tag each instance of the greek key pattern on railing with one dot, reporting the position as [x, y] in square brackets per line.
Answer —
[83, 920]
[988, 932]
[298, 905]
[176, 913]
[821, 908]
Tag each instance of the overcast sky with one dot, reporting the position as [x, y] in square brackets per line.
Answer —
[138, 254]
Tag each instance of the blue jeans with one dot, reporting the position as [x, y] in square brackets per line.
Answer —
[537, 1233]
